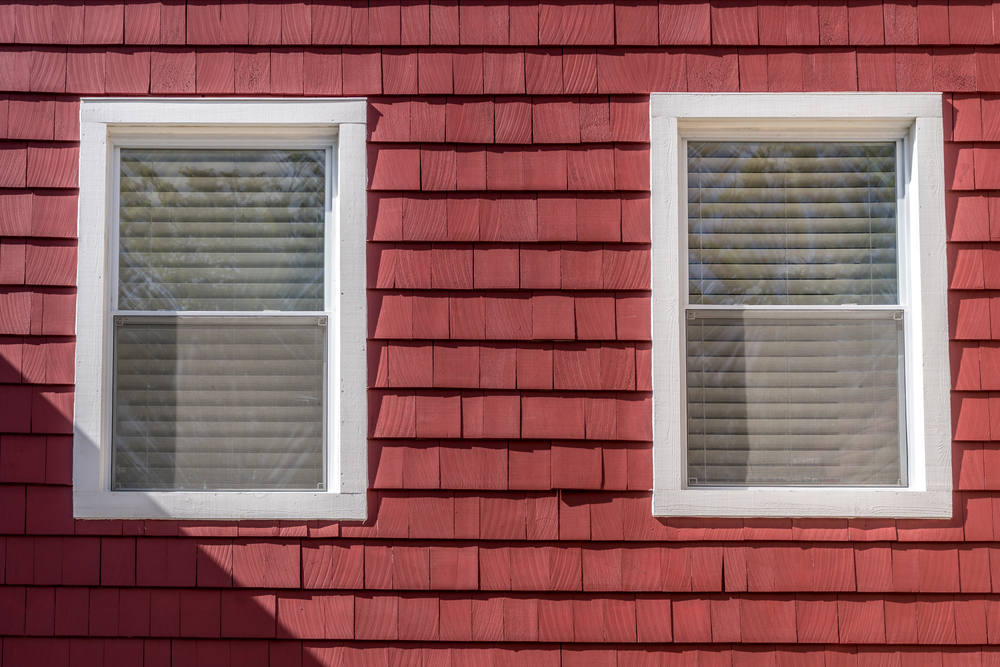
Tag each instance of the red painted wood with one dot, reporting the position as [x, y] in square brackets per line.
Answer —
[394, 168]
[591, 168]
[562, 23]
[598, 218]
[734, 22]
[384, 23]
[629, 120]
[252, 72]
[474, 465]
[580, 71]
[552, 417]
[713, 71]
[482, 23]
[666, 71]
[986, 171]
[534, 366]
[987, 72]
[545, 169]
[362, 72]
[48, 70]
[16, 69]
[13, 164]
[543, 71]
[204, 23]
[410, 365]
[523, 22]
[965, 266]
[414, 18]
[52, 165]
[954, 69]
[865, 23]
[438, 168]
[467, 65]
[424, 219]
[965, 366]
[771, 28]
[621, 71]
[172, 71]
[33, 24]
[331, 23]
[555, 120]
[783, 71]
[453, 568]
[768, 620]
[399, 71]
[959, 166]
[876, 70]
[503, 71]
[932, 22]
[862, 620]
[287, 71]
[215, 72]
[970, 23]
[816, 619]
[631, 167]
[470, 121]
[900, 22]
[913, 70]
[438, 415]
[127, 71]
[685, 23]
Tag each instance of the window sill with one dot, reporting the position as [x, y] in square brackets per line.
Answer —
[220, 505]
[800, 503]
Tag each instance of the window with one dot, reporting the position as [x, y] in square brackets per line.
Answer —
[221, 310]
[799, 309]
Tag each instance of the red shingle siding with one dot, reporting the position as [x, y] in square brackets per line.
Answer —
[509, 355]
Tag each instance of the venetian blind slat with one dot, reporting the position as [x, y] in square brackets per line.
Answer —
[222, 230]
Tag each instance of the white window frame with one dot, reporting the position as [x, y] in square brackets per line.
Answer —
[106, 124]
[916, 120]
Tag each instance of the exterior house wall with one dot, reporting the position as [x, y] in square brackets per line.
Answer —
[509, 353]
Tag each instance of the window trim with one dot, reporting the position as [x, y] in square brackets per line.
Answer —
[914, 117]
[106, 122]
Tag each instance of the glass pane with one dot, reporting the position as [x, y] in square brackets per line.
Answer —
[215, 405]
[795, 401]
[784, 223]
[207, 229]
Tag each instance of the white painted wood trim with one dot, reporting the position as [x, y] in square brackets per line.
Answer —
[338, 121]
[914, 116]
[125, 112]
[91, 306]
[219, 506]
[790, 106]
[352, 230]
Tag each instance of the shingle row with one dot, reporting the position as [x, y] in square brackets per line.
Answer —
[719, 22]
[134, 70]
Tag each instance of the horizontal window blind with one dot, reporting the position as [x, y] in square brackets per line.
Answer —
[795, 400]
[221, 230]
[787, 396]
[786, 223]
[219, 403]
